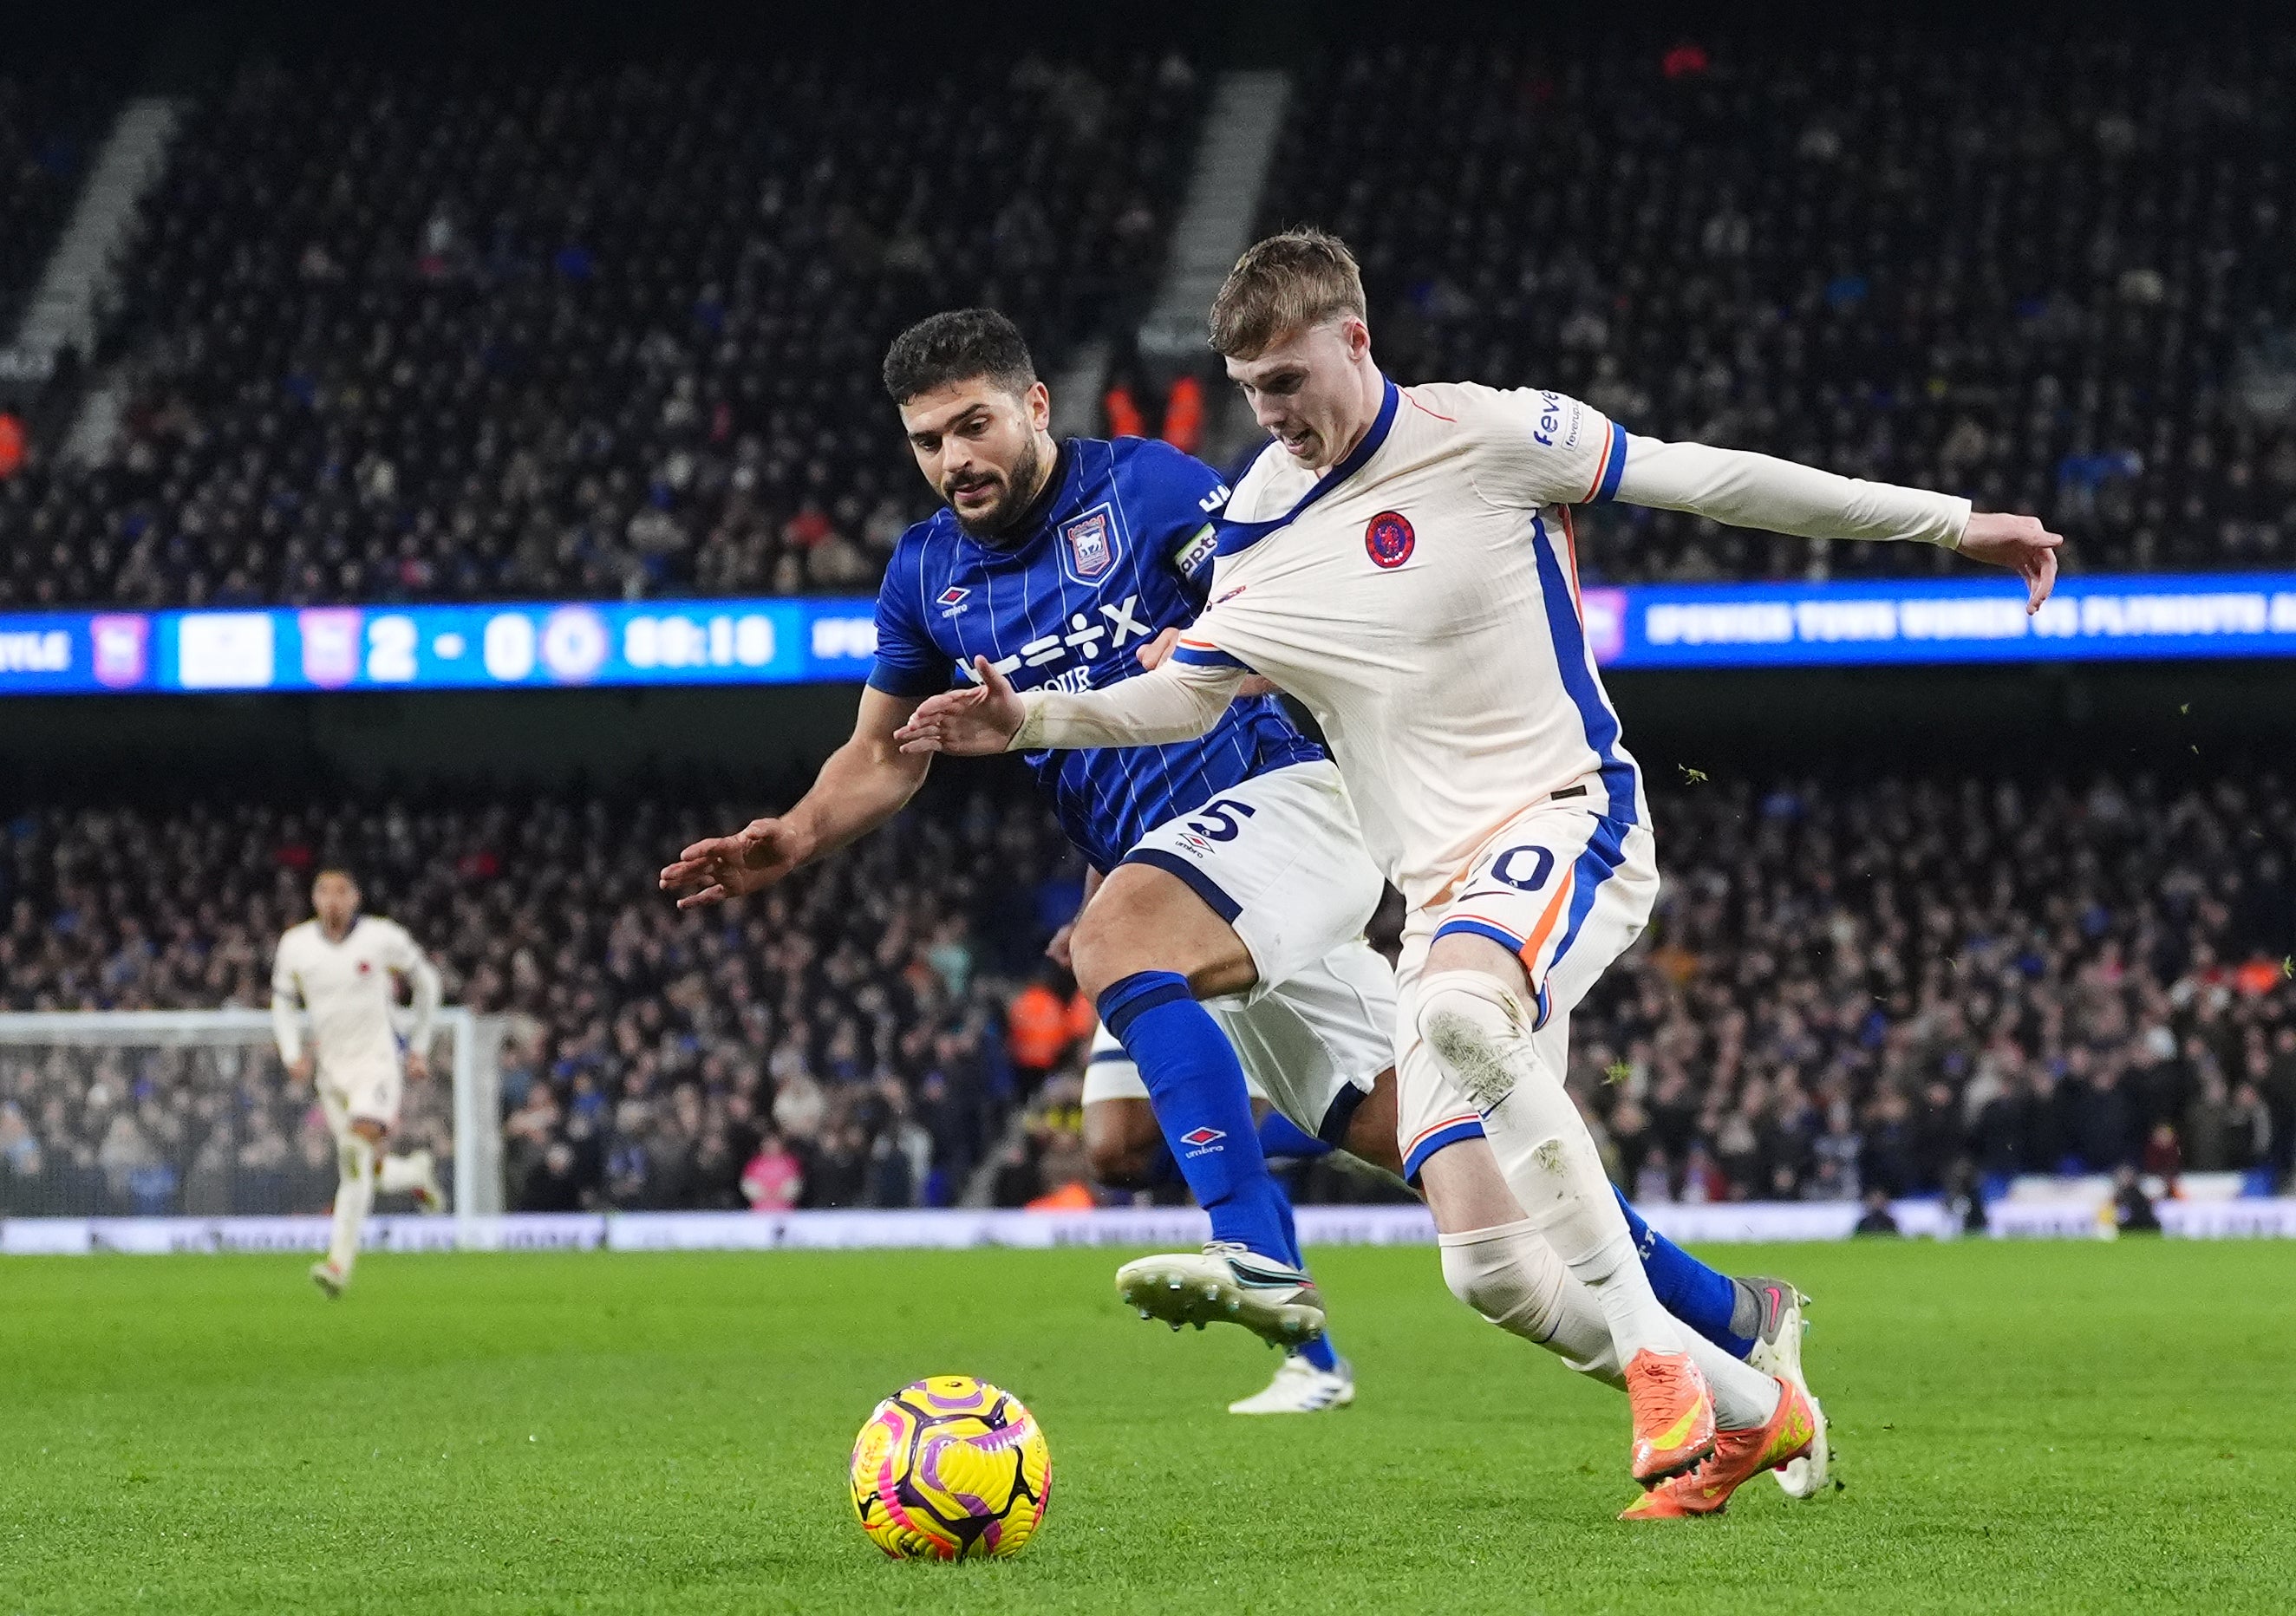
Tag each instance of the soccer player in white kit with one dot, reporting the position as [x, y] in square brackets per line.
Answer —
[344, 968]
[1400, 560]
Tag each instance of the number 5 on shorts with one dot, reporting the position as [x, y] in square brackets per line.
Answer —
[1224, 810]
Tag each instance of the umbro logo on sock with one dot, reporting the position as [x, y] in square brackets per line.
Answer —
[1202, 1136]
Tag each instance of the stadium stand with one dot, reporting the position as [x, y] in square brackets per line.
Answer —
[580, 333]
[394, 334]
[1919, 986]
[2055, 273]
[43, 150]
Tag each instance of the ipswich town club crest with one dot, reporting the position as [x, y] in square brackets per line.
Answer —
[1388, 540]
[1090, 549]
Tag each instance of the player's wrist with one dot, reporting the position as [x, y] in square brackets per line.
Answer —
[1028, 732]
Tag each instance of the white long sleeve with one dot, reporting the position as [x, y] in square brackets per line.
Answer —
[1749, 490]
[428, 990]
[286, 1027]
[1177, 701]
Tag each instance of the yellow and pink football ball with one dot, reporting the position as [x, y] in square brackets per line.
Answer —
[950, 1468]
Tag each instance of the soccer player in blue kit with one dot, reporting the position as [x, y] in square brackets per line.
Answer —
[1222, 939]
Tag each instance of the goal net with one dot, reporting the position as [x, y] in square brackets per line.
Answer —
[168, 1113]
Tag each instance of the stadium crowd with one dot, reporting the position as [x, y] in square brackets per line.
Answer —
[841, 1040]
[2056, 272]
[1917, 987]
[397, 335]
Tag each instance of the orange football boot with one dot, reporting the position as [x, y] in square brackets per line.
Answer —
[1673, 1413]
[1738, 1457]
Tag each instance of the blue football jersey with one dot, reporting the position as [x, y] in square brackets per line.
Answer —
[1122, 551]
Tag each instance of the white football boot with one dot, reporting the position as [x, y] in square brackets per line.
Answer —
[1226, 1283]
[329, 1278]
[429, 1195]
[1777, 1350]
[1300, 1388]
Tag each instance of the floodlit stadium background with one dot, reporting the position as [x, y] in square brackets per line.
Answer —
[469, 465]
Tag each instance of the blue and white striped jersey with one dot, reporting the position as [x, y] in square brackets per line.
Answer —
[1122, 551]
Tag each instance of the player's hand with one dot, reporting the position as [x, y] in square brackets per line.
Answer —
[299, 1069]
[417, 1065]
[976, 723]
[751, 859]
[1152, 656]
[1153, 653]
[1057, 951]
[2019, 543]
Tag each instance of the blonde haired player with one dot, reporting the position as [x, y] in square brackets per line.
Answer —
[344, 968]
[1400, 560]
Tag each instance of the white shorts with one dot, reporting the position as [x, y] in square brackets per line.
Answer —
[1311, 1047]
[1564, 888]
[1280, 858]
[367, 1092]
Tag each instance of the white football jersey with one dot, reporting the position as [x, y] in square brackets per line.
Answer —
[347, 986]
[1422, 599]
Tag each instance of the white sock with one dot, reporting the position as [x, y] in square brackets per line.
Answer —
[353, 1196]
[1480, 1032]
[404, 1172]
[1744, 1398]
[1512, 1276]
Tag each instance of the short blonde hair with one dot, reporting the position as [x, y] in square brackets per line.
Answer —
[1286, 284]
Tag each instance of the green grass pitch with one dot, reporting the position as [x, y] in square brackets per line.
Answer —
[2021, 1426]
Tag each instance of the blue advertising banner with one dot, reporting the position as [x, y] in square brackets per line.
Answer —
[565, 644]
[476, 647]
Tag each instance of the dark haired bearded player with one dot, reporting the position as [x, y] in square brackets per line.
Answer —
[1400, 559]
[1224, 942]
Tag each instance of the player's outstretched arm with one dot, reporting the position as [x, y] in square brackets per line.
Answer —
[1749, 490]
[866, 781]
[1177, 701]
[287, 1032]
[425, 991]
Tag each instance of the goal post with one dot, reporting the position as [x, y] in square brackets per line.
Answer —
[167, 1112]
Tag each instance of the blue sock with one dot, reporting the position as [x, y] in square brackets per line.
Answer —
[1196, 1086]
[1279, 1136]
[1320, 1352]
[1685, 1287]
[1159, 1168]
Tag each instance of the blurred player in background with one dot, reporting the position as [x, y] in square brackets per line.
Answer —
[1229, 870]
[344, 968]
[1400, 561]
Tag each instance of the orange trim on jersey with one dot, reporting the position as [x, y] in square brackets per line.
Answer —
[1432, 1128]
[1197, 644]
[1602, 464]
[1424, 410]
[1443, 893]
[1546, 927]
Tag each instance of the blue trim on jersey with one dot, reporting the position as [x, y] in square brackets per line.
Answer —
[1477, 928]
[1234, 536]
[1204, 887]
[1606, 851]
[1196, 658]
[1341, 1112]
[1595, 715]
[1614, 466]
[1067, 602]
[1442, 1138]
